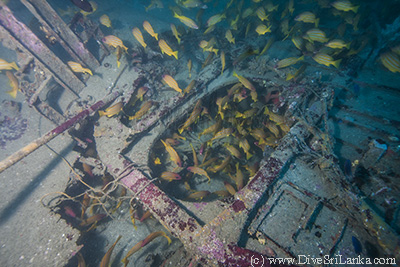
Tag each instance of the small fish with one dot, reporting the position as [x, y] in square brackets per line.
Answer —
[139, 36]
[338, 44]
[266, 47]
[154, 235]
[222, 166]
[141, 92]
[247, 12]
[215, 19]
[326, 60]
[345, 5]
[297, 73]
[195, 159]
[189, 65]
[94, 8]
[112, 111]
[246, 83]
[114, 41]
[225, 132]
[92, 219]
[212, 129]
[166, 49]
[176, 33]
[288, 62]
[316, 35]
[4, 65]
[76, 67]
[291, 7]
[230, 188]
[229, 37]
[83, 4]
[105, 20]
[189, 87]
[187, 21]
[105, 261]
[170, 176]
[142, 111]
[244, 144]
[298, 42]
[391, 61]
[193, 117]
[209, 29]
[261, 14]
[307, 17]
[246, 54]
[199, 195]
[263, 29]
[173, 154]
[270, 7]
[13, 81]
[118, 54]
[172, 83]
[357, 245]
[147, 26]
[233, 150]
[222, 61]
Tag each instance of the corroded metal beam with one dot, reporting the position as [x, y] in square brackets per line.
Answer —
[65, 32]
[37, 48]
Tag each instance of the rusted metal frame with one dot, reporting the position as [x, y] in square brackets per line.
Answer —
[65, 32]
[25, 151]
[50, 30]
[27, 39]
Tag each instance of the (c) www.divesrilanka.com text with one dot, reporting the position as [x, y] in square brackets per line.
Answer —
[326, 260]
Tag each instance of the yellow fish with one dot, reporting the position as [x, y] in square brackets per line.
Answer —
[147, 26]
[187, 21]
[173, 154]
[166, 49]
[139, 36]
[326, 60]
[263, 29]
[112, 111]
[266, 47]
[244, 81]
[189, 65]
[261, 14]
[222, 61]
[307, 17]
[316, 35]
[142, 111]
[118, 54]
[338, 44]
[288, 62]
[94, 8]
[114, 41]
[215, 19]
[157, 161]
[297, 73]
[200, 171]
[229, 37]
[170, 176]
[4, 65]
[189, 87]
[76, 67]
[172, 83]
[175, 33]
[298, 42]
[391, 61]
[192, 118]
[105, 20]
[13, 83]
[345, 5]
